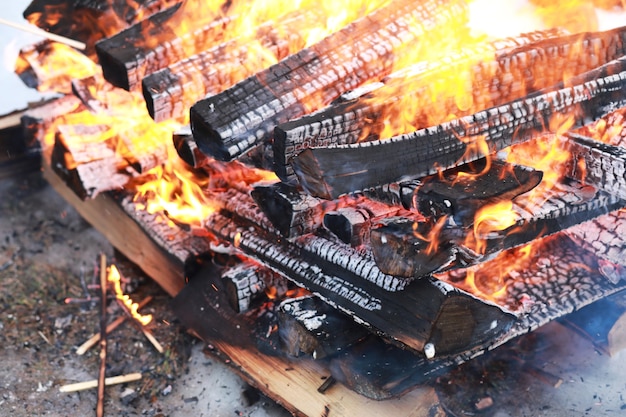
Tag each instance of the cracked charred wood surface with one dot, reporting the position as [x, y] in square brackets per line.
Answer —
[91, 165]
[598, 164]
[603, 236]
[460, 192]
[152, 45]
[554, 280]
[425, 305]
[75, 19]
[331, 172]
[170, 92]
[309, 326]
[87, 166]
[36, 122]
[230, 123]
[492, 74]
[404, 247]
[292, 212]
[247, 281]
[352, 224]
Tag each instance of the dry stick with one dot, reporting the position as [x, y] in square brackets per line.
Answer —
[47, 35]
[103, 334]
[146, 332]
[120, 379]
[95, 338]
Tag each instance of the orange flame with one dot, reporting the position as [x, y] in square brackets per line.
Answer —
[115, 278]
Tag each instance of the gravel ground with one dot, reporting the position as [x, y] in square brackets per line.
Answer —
[47, 253]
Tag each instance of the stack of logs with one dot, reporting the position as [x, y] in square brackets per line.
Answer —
[381, 229]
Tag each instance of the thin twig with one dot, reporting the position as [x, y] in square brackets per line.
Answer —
[103, 334]
[146, 332]
[95, 338]
[57, 38]
[120, 379]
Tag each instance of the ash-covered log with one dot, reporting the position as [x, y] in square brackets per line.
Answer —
[246, 282]
[409, 248]
[309, 326]
[170, 92]
[231, 123]
[152, 45]
[601, 165]
[603, 236]
[331, 172]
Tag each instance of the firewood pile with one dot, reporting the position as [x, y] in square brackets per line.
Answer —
[488, 211]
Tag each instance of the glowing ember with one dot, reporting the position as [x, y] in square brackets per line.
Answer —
[114, 278]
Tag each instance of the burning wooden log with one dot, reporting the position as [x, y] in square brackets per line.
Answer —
[229, 124]
[88, 167]
[460, 192]
[352, 224]
[292, 212]
[76, 19]
[170, 92]
[330, 172]
[405, 247]
[598, 164]
[91, 165]
[248, 281]
[37, 122]
[308, 326]
[492, 74]
[151, 45]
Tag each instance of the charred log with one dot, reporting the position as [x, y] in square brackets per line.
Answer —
[368, 303]
[36, 122]
[460, 192]
[187, 149]
[352, 224]
[330, 172]
[244, 116]
[309, 326]
[598, 164]
[246, 282]
[88, 167]
[409, 248]
[170, 92]
[292, 212]
[151, 45]
[603, 236]
[379, 370]
[496, 73]
[90, 20]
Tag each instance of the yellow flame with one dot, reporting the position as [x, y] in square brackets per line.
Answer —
[115, 278]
